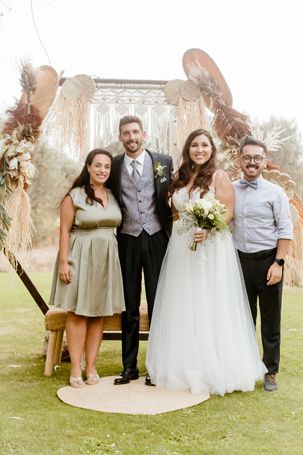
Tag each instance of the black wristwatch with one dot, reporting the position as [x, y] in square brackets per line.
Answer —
[280, 262]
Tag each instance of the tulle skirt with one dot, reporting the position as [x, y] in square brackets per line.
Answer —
[202, 336]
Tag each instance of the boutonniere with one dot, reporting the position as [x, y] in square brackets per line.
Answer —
[159, 169]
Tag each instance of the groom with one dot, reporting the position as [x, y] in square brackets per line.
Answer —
[139, 181]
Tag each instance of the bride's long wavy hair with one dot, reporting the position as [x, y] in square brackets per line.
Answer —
[204, 177]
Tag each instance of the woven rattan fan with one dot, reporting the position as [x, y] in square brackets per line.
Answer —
[88, 86]
[44, 94]
[195, 62]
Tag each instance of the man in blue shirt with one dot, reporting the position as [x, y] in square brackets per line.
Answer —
[262, 232]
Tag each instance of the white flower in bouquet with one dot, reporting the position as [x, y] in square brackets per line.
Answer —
[205, 204]
[205, 213]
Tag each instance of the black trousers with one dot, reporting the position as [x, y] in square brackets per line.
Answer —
[255, 270]
[146, 253]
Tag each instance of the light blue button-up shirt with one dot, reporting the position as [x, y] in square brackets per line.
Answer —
[262, 216]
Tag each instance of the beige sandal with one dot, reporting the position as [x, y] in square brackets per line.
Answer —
[76, 381]
[92, 379]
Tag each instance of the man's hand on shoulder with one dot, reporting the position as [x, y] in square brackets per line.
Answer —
[274, 274]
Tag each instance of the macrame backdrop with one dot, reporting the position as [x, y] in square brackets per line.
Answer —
[115, 98]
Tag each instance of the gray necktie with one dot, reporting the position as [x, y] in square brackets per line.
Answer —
[135, 174]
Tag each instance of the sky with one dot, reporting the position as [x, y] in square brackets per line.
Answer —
[256, 44]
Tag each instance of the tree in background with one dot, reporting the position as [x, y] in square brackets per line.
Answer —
[289, 157]
[54, 174]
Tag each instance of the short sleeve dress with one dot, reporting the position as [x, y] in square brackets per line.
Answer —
[96, 288]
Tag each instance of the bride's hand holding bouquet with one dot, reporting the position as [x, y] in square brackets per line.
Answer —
[206, 214]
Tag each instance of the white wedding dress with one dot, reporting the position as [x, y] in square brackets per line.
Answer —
[202, 336]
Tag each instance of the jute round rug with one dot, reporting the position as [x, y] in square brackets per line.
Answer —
[132, 398]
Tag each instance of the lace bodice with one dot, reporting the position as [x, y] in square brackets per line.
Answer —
[181, 196]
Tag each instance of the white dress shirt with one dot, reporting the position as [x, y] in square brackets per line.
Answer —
[139, 159]
[262, 216]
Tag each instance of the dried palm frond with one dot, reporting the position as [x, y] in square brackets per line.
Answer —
[272, 138]
[23, 116]
[28, 81]
[229, 124]
[27, 123]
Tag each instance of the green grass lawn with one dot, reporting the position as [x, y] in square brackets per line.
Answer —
[34, 421]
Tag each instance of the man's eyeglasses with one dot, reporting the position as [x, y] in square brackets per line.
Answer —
[249, 158]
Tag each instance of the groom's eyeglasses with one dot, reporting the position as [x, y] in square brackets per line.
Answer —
[249, 158]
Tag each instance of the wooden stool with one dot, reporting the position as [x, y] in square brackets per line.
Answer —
[55, 322]
[112, 325]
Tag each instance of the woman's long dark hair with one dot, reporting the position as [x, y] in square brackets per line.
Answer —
[82, 180]
[205, 175]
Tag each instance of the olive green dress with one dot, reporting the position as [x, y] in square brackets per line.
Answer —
[96, 288]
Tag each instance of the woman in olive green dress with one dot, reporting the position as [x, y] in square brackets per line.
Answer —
[87, 280]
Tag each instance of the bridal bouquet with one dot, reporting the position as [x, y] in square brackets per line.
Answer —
[206, 213]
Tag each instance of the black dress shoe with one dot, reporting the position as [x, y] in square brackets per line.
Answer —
[148, 380]
[270, 383]
[126, 376]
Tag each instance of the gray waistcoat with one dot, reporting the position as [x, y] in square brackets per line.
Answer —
[139, 208]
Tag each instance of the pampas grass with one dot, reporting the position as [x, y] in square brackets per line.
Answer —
[21, 228]
[190, 116]
[66, 125]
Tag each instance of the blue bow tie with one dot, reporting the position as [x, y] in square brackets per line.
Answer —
[253, 184]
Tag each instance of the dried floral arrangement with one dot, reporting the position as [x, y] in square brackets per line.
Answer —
[19, 134]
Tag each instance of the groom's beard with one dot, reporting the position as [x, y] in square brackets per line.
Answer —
[132, 146]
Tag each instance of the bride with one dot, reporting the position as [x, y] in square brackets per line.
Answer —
[202, 336]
